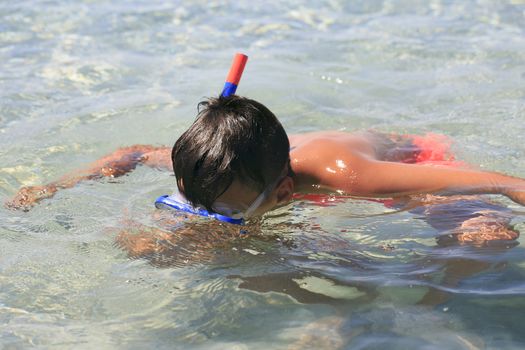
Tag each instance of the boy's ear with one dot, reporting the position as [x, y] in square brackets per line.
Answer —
[285, 190]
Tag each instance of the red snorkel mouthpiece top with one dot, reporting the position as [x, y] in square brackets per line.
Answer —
[234, 76]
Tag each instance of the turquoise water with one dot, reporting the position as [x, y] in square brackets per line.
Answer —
[79, 79]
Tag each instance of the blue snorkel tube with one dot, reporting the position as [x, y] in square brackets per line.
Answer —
[177, 200]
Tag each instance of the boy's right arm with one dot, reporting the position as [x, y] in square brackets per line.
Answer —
[361, 175]
[401, 179]
[115, 164]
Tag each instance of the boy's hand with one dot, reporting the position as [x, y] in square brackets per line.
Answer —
[29, 196]
[517, 196]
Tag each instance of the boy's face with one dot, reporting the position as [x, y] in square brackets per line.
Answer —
[239, 198]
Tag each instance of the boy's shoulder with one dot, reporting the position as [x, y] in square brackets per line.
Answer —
[327, 158]
[328, 145]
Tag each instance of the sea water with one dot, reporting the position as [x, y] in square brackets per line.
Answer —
[80, 79]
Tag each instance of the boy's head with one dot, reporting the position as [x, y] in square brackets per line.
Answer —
[234, 158]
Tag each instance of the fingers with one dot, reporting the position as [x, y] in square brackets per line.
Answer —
[481, 231]
[27, 197]
[22, 200]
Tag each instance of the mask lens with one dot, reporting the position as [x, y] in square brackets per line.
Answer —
[226, 210]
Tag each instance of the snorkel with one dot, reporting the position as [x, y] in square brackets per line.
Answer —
[234, 76]
[177, 200]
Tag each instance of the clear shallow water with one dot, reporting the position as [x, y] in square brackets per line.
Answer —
[80, 79]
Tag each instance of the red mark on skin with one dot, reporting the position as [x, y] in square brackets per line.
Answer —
[329, 200]
[322, 200]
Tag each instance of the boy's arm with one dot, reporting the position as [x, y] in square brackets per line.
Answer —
[175, 240]
[373, 178]
[115, 164]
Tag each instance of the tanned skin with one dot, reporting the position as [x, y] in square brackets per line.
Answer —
[356, 165]
[359, 164]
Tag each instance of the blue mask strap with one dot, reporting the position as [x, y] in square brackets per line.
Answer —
[167, 201]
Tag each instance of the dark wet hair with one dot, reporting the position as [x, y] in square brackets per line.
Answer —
[233, 138]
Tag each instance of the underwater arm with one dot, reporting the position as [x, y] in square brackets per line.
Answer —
[380, 178]
[175, 240]
[116, 164]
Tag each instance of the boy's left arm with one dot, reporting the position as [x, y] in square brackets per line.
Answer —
[373, 178]
[116, 164]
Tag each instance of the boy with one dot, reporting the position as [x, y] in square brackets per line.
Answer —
[236, 160]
